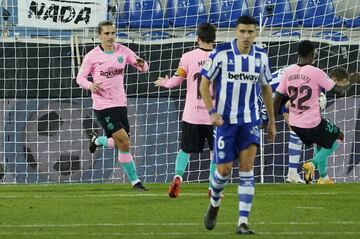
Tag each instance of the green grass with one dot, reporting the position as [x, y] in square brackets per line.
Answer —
[114, 211]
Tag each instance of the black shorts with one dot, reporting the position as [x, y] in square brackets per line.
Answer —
[194, 136]
[113, 119]
[324, 135]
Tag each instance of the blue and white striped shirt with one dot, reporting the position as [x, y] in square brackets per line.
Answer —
[237, 77]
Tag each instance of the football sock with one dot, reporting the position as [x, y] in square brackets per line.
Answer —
[181, 162]
[212, 167]
[245, 192]
[105, 141]
[128, 165]
[218, 183]
[320, 160]
[295, 145]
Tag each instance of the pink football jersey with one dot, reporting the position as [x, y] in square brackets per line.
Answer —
[303, 85]
[108, 69]
[195, 111]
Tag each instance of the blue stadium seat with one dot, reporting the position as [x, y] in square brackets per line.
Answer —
[278, 13]
[332, 36]
[144, 14]
[224, 13]
[186, 13]
[155, 35]
[286, 33]
[353, 22]
[315, 13]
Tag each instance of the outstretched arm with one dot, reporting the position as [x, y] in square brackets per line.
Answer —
[140, 64]
[168, 82]
[266, 92]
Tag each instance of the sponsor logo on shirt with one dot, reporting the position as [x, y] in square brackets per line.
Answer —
[243, 76]
[111, 74]
[257, 62]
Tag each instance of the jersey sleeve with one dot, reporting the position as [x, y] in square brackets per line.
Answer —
[85, 69]
[180, 75]
[131, 59]
[212, 66]
[281, 89]
[265, 74]
[325, 82]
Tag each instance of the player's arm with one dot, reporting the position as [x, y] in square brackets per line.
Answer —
[216, 118]
[343, 81]
[266, 93]
[82, 77]
[277, 101]
[174, 81]
[135, 61]
[342, 86]
[140, 64]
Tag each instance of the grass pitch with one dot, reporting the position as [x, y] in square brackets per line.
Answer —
[115, 211]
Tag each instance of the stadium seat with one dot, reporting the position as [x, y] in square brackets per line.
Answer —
[277, 12]
[286, 33]
[224, 13]
[144, 14]
[186, 13]
[332, 36]
[315, 13]
[155, 35]
[353, 22]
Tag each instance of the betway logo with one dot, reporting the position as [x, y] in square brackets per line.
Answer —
[111, 74]
[243, 76]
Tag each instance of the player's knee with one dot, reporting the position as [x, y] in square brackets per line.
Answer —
[224, 170]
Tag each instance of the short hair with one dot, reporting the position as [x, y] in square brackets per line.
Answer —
[206, 32]
[305, 48]
[339, 73]
[104, 23]
[247, 20]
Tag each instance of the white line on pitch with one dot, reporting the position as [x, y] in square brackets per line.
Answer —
[155, 195]
[170, 224]
[311, 208]
[178, 233]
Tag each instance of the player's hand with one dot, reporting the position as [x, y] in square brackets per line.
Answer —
[140, 62]
[95, 87]
[271, 130]
[216, 119]
[354, 78]
[160, 81]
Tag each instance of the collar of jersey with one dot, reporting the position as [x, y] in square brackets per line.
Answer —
[236, 50]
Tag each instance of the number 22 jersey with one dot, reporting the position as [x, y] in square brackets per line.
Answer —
[303, 84]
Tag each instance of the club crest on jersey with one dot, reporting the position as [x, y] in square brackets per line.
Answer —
[221, 154]
[207, 64]
[257, 62]
[231, 62]
[120, 59]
